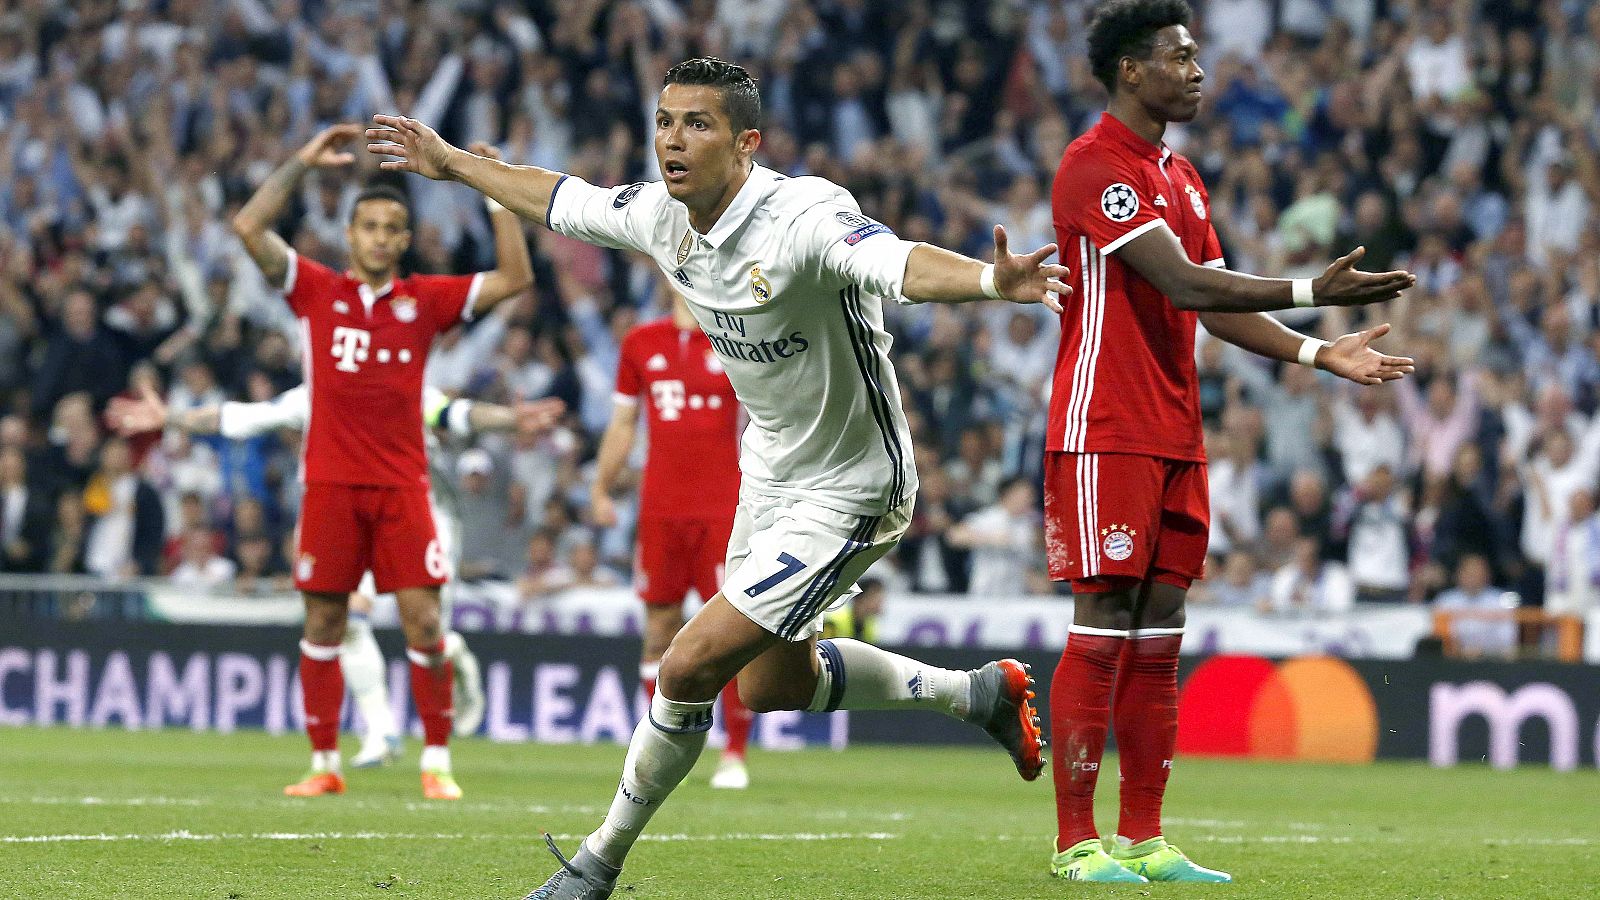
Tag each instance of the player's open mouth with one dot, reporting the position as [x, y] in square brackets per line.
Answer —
[674, 171]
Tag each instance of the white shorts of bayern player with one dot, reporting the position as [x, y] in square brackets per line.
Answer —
[790, 561]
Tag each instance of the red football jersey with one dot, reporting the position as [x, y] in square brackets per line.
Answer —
[1125, 378]
[692, 469]
[363, 355]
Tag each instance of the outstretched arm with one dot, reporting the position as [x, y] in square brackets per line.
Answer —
[525, 190]
[253, 222]
[934, 274]
[513, 271]
[1157, 255]
[1351, 356]
[148, 412]
[615, 445]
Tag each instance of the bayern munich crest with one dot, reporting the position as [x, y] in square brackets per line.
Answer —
[1196, 201]
[1119, 202]
[1116, 542]
[405, 308]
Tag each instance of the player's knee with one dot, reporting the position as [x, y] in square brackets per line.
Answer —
[686, 677]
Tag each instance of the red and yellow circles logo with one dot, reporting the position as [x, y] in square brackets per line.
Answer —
[1313, 708]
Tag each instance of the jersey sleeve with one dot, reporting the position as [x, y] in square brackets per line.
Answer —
[609, 217]
[1106, 199]
[290, 409]
[838, 240]
[306, 280]
[448, 298]
[1212, 256]
[630, 381]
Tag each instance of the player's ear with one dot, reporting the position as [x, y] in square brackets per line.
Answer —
[1129, 70]
[748, 141]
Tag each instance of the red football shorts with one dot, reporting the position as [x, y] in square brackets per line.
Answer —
[346, 529]
[1116, 516]
[673, 555]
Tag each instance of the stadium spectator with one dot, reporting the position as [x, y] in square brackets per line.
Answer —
[25, 516]
[1484, 626]
[201, 566]
[1371, 517]
[1309, 584]
[492, 543]
[126, 526]
[1004, 539]
[1240, 584]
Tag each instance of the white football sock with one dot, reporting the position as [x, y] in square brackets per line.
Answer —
[362, 662]
[435, 759]
[662, 753]
[857, 675]
[325, 761]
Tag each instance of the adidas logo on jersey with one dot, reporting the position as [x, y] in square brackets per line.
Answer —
[1160, 200]
[656, 363]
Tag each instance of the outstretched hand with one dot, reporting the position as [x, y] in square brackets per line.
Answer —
[129, 416]
[1026, 278]
[1352, 357]
[1342, 285]
[323, 151]
[535, 417]
[417, 147]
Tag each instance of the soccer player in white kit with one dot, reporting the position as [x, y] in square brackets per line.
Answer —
[786, 277]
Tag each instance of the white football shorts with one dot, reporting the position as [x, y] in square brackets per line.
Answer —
[789, 560]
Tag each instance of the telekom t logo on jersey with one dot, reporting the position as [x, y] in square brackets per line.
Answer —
[670, 398]
[350, 347]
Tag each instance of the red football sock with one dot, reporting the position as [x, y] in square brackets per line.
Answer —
[1080, 708]
[736, 720]
[322, 693]
[1146, 721]
[431, 682]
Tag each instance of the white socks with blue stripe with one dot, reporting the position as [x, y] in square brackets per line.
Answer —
[662, 753]
[857, 675]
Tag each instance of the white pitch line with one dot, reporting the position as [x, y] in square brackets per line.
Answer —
[186, 835]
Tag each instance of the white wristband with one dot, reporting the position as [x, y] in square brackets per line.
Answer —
[1308, 351]
[1302, 292]
[491, 204]
[986, 283]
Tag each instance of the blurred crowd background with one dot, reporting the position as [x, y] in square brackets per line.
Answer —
[1456, 138]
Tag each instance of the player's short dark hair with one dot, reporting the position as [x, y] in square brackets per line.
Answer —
[381, 192]
[739, 95]
[1122, 28]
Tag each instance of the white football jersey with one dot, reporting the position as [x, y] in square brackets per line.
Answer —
[788, 285]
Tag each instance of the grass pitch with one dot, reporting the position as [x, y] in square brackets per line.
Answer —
[182, 815]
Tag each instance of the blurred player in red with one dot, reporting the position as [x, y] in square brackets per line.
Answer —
[689, 495]
[1125, 477]
[365, 335]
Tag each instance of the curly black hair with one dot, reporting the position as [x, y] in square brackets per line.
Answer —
[738, 89]
[1122, 28]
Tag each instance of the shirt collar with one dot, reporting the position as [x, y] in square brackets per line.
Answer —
[751, 193]
[1125, 135]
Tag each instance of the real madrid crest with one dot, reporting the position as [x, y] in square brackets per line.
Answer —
[405, 308]
[685, 245]
[1116, 542]
[760, 287]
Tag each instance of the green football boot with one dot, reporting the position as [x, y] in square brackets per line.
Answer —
[1088, 861]
[1157, 860]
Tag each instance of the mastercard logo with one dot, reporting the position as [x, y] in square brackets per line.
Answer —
[1313, 708]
